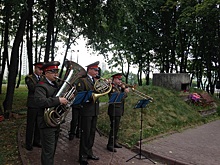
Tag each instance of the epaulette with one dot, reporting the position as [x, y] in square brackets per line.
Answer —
[30, 76]
[85, 83]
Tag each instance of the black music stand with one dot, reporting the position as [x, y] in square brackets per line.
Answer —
[79, 99]
[83, 97]
[115, 98]
[141, 104]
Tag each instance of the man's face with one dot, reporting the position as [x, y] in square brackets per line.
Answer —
[93, 72]
[117, 81]
[38, 71]
[51, 75]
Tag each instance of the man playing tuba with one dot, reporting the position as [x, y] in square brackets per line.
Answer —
[45, 98]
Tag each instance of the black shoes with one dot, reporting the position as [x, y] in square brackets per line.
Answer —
[37, 145]
[83, 162]
[71, 136]
[117, 145]
[83, 159]
[93, 157]
[78, 135]
[111, 148]
[29, 148]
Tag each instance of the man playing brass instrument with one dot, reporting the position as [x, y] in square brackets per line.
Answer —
[45, 98]
[88, 115]
[115, 111]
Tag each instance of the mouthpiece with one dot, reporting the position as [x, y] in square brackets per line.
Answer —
[57, 78]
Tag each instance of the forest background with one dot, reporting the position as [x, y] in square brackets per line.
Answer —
[165, 35]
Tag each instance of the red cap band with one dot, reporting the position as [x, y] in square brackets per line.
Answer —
[51, 67]
[93, 66]
[118, 76]
[39, 65]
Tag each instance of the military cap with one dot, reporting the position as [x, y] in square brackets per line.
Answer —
[39, 64]
[117, 75]
[93, 66]
[51, 66]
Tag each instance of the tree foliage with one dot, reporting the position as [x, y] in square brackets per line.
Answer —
[167, 36]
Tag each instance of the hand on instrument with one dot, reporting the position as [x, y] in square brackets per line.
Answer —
[126, 90]
[63, 100]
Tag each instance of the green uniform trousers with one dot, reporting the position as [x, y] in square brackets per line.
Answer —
[49, 138]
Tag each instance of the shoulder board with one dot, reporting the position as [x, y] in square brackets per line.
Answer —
[29, 76]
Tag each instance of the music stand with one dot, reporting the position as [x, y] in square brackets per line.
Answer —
[80, 98]
[141, 104]
[115, 98]
[83, 97]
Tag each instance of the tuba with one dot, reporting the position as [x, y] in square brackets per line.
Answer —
[101, 87]
[56, 115]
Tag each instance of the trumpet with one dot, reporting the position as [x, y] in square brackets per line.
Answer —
[138, 93]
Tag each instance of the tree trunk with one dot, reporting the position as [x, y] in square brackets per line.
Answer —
[7, 104]
[5, 44]
[29, 34]
[19, 74]
[50, 26]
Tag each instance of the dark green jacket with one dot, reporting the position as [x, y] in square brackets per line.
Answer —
[116, 109]
[89, 108]
[45, 97]
[31, 81]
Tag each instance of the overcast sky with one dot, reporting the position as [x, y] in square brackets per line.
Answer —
[79, 53]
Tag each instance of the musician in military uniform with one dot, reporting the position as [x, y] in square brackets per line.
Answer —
[115, 111]
[45, 96]
[32, 130]
[88, 114]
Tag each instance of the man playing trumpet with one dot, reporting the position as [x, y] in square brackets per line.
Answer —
[115, 111]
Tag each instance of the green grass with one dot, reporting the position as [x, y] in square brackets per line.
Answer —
[9, 153]
[167, 113]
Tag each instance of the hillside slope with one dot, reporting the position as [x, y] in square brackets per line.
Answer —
[168, 112]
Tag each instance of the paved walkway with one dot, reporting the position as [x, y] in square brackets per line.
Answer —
[196, 146]
[67, 151]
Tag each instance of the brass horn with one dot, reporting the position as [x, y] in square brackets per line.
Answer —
[138, 93]
[56, 115]
[101, 87]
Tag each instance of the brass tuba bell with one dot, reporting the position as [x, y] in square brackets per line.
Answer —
[56, 115]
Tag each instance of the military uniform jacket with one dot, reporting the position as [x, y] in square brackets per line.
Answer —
[45, 98]
[116, 109]
[88, 108]
[31, 81]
